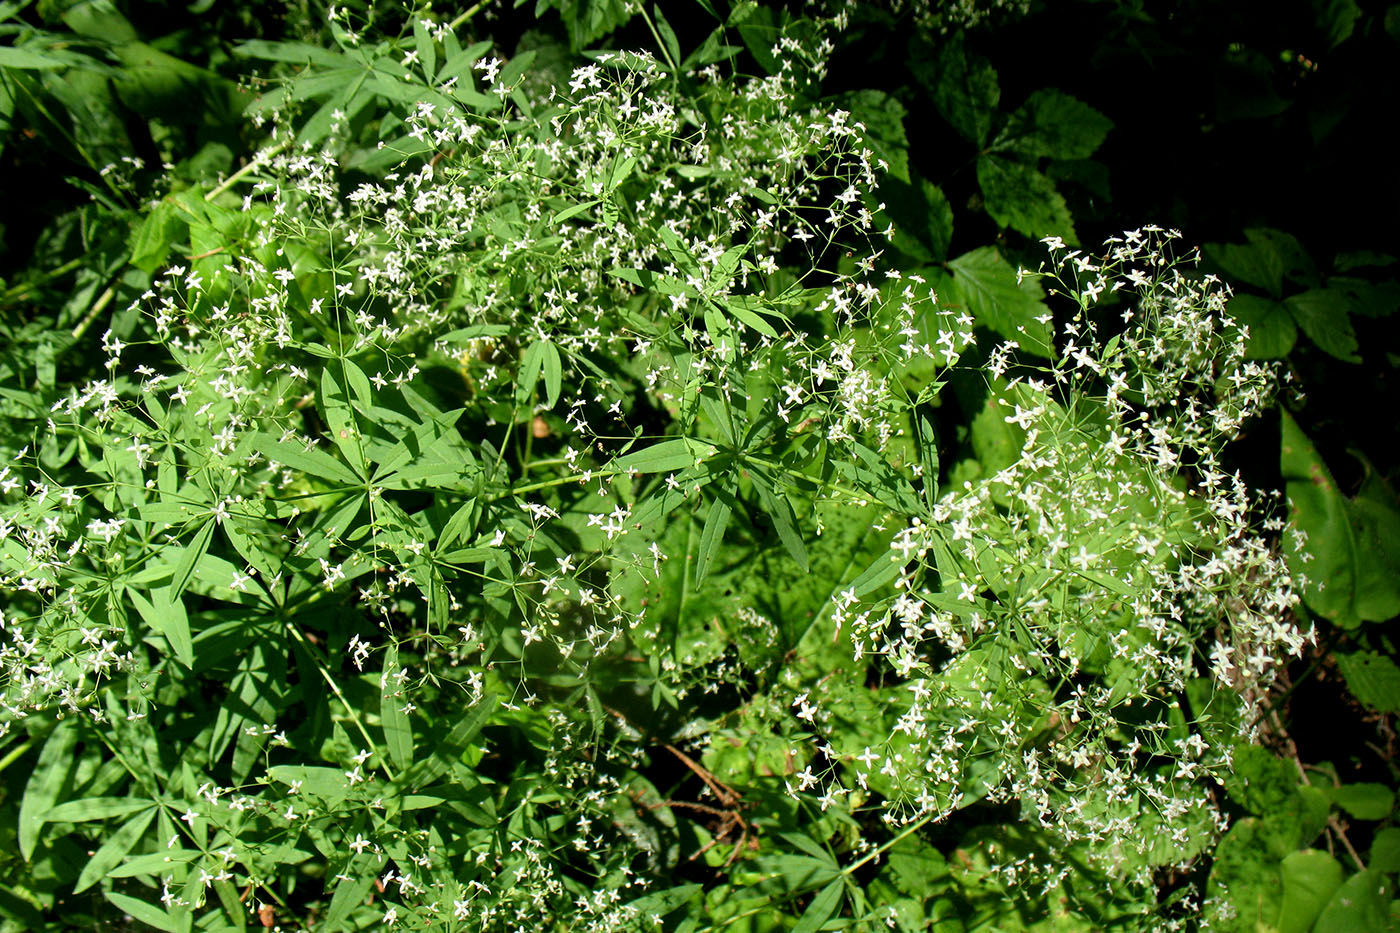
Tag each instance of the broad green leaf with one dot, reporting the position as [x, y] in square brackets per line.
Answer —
[1360, 905]
[12, 57]
[1272, 332]
[295, 53]
[822, 907]
[114, 850]
[885, 569]
[1265, 261]
[426, 47]
[1353, 575]
[531, 362]
[1020, 197]
[47, 782]
[1054, 124]
[922, 216]
[966, 91]
[188, 558]
[883, 119]
[1310, 878]
[1364, 801]
[986, 284]
[1385, 851]
[663, 902]
[1322, 313]
[311, 461]
[327, 783]
[1372, 678]
[664, 457]
[393, 697]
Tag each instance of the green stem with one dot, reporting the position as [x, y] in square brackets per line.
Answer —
[471, 11]
[659, 44]
[97, 308]
[15, 753]
[22, 289]
[335, 688]
[259, 159]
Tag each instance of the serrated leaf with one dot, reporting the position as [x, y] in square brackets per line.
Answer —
[1272, 332]
[1019, 197]
[986, 284]
[1372, 678]
[1322, 313]
[966, 92]
[114, 850]
[922, 216]
[1052, 123]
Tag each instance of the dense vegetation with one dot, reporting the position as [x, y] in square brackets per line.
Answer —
[697, 467]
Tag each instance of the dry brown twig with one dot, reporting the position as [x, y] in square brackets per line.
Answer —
[729, 814]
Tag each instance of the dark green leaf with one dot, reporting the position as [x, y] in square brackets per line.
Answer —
[115, 849]
[712, 538]
[1054, 124]
[1372, 678]
[1019, 197]
[966, 92]
[822, 907]
[1272, 332]
[46, 783]
[1322, 313]
[398, 729]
